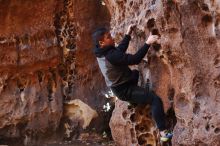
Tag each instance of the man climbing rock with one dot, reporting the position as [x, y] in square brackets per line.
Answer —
[113, 62]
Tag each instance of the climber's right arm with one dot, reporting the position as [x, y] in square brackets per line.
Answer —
[123, 45]
[119, 57]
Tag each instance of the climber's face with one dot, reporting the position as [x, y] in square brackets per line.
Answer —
[107, 40]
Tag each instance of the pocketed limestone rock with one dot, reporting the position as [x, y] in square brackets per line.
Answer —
[185, 71]
[133, 126]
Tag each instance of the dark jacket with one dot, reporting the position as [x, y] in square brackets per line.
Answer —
[113, 62]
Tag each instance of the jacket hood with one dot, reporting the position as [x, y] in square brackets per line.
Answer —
[99, 52]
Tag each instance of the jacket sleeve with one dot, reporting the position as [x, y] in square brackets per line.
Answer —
[123, 45]
[118, 57]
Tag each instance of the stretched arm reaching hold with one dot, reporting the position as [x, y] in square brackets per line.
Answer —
[118, 57]
[131, 28]
[123, 45]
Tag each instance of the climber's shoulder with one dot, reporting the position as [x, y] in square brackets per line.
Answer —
[114, 55]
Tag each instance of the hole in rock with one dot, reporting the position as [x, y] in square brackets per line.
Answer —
[171, 93]
[207, 19]
[140, 128]
[153, 2]
[217, 130]
[21, 89]
[133, 118]
[205, 7]
[40, 76]
[124, 114]
[155, 45]
[131, 4]
[196, 108]
[207, 127]
[151, 23]
[148, 12]
[141, 112]
[170, 115]
[50, 90]
[155, 32]
[145, 139]
[171, 118]
[142, 139]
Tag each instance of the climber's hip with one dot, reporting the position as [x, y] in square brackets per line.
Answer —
[133, 93]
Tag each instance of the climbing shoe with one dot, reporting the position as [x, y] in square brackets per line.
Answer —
[166, 136]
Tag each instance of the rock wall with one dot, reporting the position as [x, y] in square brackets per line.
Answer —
[185, 72]
[30, 92]
[134, 125]
[45, 59]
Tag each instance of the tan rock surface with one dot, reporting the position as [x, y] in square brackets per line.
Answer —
[78, 110]
[187, 68]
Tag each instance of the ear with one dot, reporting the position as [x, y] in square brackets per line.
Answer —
[101, 43]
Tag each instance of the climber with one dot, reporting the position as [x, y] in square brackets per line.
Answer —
[113, 63]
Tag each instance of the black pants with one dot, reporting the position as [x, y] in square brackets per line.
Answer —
[132, 93]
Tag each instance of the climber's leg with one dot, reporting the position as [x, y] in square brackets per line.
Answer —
[158, 111]
[139, 95]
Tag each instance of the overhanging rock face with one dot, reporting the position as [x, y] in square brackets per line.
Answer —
[186, 69]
